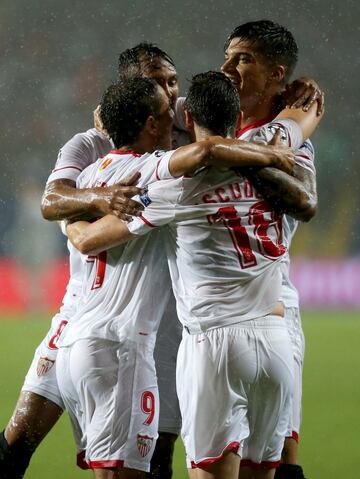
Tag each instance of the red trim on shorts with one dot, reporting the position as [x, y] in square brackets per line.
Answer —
[256, 124]
[147, 222]
[232, 447]
[106, 464]
[261, 465]
[122, 152]
[80, 461]
[295, 436]
[66, 167]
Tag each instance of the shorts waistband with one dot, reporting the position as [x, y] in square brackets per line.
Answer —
[268, 321]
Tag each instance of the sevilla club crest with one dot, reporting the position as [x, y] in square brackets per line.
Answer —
[43, 366]
[144, 444]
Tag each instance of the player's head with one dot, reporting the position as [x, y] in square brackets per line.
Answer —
[148, 60]
[213, 103]
[259, 54]
[135, 110]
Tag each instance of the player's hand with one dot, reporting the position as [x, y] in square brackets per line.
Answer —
[116, 199]
[98, 123]
[302, 93]
[283, 156]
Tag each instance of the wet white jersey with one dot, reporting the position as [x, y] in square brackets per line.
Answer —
[125, 289]
[263, 131]
[81, 151]
[224, 247]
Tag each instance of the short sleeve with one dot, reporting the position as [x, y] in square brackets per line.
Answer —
[305, 156]
[160, 200]
[162, 160]
[291, 133]
[78, 153]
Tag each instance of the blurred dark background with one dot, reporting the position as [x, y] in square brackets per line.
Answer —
[57, 58]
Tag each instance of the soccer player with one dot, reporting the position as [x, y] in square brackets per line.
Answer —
[125, 290]
[224, 273]
[259, 59]
[37, 411]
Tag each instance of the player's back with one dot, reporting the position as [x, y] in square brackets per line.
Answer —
[224, 245]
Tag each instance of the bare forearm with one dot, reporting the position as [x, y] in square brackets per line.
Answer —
[227, 153]
[66, 202]
[293, 195]
[103, 234]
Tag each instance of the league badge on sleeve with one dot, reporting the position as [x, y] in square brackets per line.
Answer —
[144, 198]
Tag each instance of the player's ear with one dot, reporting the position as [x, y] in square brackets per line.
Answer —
[189, 121]
[151, 125]
[278, 73]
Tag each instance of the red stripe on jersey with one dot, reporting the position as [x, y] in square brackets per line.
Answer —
[147, 222]
[106, 464]
[121, 152]
[232, 447]
[256, 124]
[261, 465]
[305, 157]
[66, 167]
[157, 170]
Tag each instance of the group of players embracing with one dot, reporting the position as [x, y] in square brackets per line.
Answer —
[199, 258]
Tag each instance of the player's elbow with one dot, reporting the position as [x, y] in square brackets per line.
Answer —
[46, 207]
[308, 208]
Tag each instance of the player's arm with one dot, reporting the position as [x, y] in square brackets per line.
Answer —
[307, 120]
[227, 153]
[295, 195]
[62, 200]
[103, 234]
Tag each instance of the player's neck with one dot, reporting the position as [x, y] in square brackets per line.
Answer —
[140, 146]
[252, 112]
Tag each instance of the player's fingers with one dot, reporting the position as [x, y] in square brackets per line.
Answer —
[276, 139]
[321, 104]
[127, 191]
[311, 100]
[302, 97]
[295, 96]
[126, 205]
[131, 180]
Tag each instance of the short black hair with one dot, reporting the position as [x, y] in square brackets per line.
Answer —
[130, 60]
[272, 40]
[213, 103]
[125, 107]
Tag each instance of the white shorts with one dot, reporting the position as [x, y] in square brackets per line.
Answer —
[110, 392]
[293, 321]
[167, 344]
[41, 376]
[234, 387]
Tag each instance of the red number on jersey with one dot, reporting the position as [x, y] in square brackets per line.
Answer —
[148, 406]
[54, 339]
[230, 219]
[100, 266]
[262, 217]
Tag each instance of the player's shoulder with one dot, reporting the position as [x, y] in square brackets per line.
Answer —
[306, 150]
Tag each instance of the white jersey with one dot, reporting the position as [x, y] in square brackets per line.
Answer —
[125, 289]
[263, 131]
[81, 151]
[224, 247]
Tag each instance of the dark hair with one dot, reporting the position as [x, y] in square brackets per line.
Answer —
[130, 60]
[125, 107]
[213, 103]
[272, 40]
